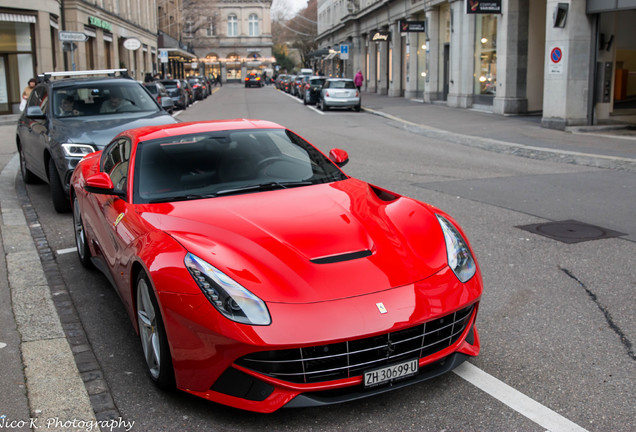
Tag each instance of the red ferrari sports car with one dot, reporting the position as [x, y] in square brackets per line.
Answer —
[260, 276]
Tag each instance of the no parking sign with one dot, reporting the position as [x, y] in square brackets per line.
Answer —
[556, 60]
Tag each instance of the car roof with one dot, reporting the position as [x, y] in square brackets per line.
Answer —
[339, 79]
[175, 129]
[66, 82]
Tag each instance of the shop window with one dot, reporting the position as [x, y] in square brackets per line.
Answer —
[485, 55]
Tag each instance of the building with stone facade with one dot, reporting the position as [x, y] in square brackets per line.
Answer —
[572, 61]
[229, 37]
[119, 34]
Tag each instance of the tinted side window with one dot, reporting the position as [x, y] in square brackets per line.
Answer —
[115, 162]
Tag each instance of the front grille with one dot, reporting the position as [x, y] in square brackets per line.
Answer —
[347, 359]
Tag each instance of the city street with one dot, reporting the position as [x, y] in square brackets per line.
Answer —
[556, 319]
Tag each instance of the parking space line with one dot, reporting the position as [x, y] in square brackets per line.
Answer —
[516, 400]
[65, 251]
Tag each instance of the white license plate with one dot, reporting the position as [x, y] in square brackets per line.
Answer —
[387, 374]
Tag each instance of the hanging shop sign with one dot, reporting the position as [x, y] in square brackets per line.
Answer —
[483, 6]
[381, 36]
[412, 26]
[132, 44]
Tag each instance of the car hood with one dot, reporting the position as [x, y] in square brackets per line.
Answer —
[312, 243]
[99, 130]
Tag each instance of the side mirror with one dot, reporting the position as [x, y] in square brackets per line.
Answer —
[101, 183]
[339, 157]
[35, 112]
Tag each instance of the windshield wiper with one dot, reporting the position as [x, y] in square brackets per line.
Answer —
[180, 198]
[263, 187]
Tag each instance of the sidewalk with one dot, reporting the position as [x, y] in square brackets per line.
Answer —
[40, 378]
[598, 146]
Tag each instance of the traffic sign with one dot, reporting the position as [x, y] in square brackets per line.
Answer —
[69, 36]
[344, 52]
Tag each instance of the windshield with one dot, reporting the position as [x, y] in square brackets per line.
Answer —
[84, 100]
[227, 163]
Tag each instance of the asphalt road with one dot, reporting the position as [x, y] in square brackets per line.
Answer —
[556, 320]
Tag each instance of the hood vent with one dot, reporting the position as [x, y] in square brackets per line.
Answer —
[342, 257]
[383, 194]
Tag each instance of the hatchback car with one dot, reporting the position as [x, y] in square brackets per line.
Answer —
[253, 79]
[159, 92]
[177, 92]
[339, 93]
[312, 89]
[259, 275]
[65, 119]
[197, 88]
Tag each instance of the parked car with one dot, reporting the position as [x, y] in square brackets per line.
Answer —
[253, 79]
[197, 88]
[177, 92]
[285, 83]
[207, 85]
[161, 95]
[295, 86]
[230, 303]
[278, 80]
[188, 88]
[339, 93]
[312, 89]
[66, 119]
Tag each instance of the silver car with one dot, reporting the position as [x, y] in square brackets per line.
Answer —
[339, 93]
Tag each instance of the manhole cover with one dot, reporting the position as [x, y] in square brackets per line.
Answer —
[570, 231]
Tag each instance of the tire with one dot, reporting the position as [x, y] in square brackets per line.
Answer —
[323, 105]
[27, 175]
[83, 250]
[357, 108]
[152, 335]
[305, 100]
[61, 202]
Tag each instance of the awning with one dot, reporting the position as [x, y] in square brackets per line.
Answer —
[17, 18]
[332, 55]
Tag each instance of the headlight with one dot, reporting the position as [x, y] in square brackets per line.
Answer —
[77, 150]
[460, 260]
[227, 296]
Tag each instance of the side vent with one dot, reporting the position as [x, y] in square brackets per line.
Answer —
[384, 195]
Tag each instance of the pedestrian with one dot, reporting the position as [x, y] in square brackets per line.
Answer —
[358, 80]
[27, 92]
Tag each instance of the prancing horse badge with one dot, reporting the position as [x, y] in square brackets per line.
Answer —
[381, 308]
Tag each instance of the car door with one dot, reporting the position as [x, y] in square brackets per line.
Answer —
[34, 133]
[112, 225]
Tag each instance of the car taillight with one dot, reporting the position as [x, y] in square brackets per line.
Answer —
[327, 93]
[357, 94]
[247, 78]
[258, 78]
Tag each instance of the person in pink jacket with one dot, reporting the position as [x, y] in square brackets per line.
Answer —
[358, 80]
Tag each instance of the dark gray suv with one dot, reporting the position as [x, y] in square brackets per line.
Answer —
[66, 119]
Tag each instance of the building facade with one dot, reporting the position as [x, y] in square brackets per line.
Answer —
[572, 61]
[230, 37]
[119, 34]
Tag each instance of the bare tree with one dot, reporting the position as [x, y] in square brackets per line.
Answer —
[299, 31]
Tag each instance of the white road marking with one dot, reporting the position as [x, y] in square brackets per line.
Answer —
[66, 251]
[2, 345]
[516, 400]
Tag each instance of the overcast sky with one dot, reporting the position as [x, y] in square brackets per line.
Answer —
[287, 7]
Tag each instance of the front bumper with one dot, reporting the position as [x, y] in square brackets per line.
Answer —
[209, 351]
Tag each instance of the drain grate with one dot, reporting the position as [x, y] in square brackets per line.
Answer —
[570, 231]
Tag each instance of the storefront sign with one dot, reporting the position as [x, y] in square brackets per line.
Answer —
[381, 36]
[132, 44]
[97, 22]
[412, 26]
[483, 6]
